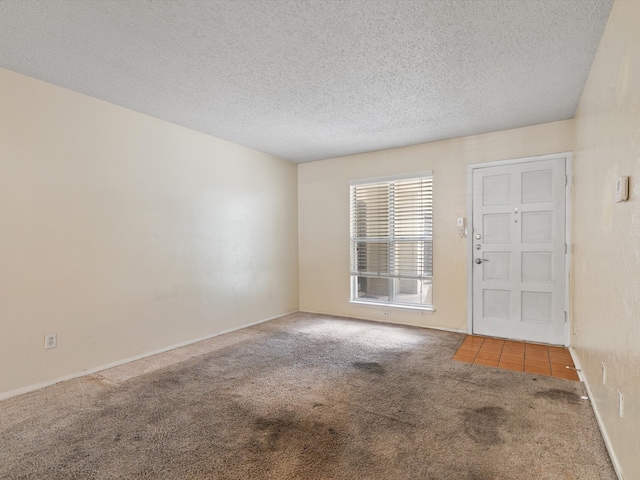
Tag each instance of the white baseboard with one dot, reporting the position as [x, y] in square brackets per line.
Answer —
[452, 330]
[390, 322]
[603, 431]
[90, 371]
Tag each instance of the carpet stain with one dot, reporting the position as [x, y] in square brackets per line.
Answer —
[370, 367]
[483, 424]
[292, 446]
[559, 395]
[271, 430]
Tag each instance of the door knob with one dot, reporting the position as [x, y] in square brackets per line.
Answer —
[478, 261]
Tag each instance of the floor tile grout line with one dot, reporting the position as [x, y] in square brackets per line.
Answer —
[548, 361]
[478, 352]
[501, 350]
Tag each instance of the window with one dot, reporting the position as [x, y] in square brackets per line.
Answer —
[391, 241]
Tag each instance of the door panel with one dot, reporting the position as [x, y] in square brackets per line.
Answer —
[537, 267]
[519, 282]
[497, 266]
[495, 190]
[496, 303]
[537, 227]
[497, 227]
[537, 186]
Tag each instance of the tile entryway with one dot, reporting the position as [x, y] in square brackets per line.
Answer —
[519, 356]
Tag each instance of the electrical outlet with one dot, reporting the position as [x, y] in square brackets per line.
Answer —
[50, 341]
[604, 373]
[621, 403]
[386, 314]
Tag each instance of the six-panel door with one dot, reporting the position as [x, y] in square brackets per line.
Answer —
[519, 251]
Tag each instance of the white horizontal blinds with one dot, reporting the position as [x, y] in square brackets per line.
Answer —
[412, 217]
[370, 229]
[392, 228]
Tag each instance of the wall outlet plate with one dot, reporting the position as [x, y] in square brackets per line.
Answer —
[50, 341]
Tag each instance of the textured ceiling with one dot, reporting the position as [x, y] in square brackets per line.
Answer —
[314, 79]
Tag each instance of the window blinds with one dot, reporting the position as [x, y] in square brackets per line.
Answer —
[392, 229]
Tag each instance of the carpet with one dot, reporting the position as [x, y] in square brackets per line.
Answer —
[306, 397]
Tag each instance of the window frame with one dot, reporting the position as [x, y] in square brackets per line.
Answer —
[353, 278]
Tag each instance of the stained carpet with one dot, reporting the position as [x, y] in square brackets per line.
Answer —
[306, 397]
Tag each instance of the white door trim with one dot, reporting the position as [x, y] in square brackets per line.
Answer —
[568, 156]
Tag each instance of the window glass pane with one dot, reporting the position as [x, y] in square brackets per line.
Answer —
[414, 292]
[372, 257]
[409, 258]
[374, 289]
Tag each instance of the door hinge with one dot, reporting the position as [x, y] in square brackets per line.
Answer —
[566, 180]
[565, 316]
[566, 248]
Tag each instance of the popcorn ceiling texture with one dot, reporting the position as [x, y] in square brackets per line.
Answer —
[309, 80]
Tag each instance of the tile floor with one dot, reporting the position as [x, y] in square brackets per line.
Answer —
[518, 356]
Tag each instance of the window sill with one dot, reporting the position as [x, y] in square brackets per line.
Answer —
[424, 308]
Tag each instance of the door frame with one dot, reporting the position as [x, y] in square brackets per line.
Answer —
[568, 157]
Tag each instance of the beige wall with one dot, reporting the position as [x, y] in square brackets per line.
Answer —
[606, 259]
[323, 192]
[125, 234]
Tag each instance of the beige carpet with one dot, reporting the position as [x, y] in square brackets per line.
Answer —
[306, 397]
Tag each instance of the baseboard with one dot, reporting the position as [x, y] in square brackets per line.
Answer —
[603, 431]
[90, 371]
[444, 329]
[452, 330]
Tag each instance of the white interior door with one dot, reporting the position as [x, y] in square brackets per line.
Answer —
[519, 251]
